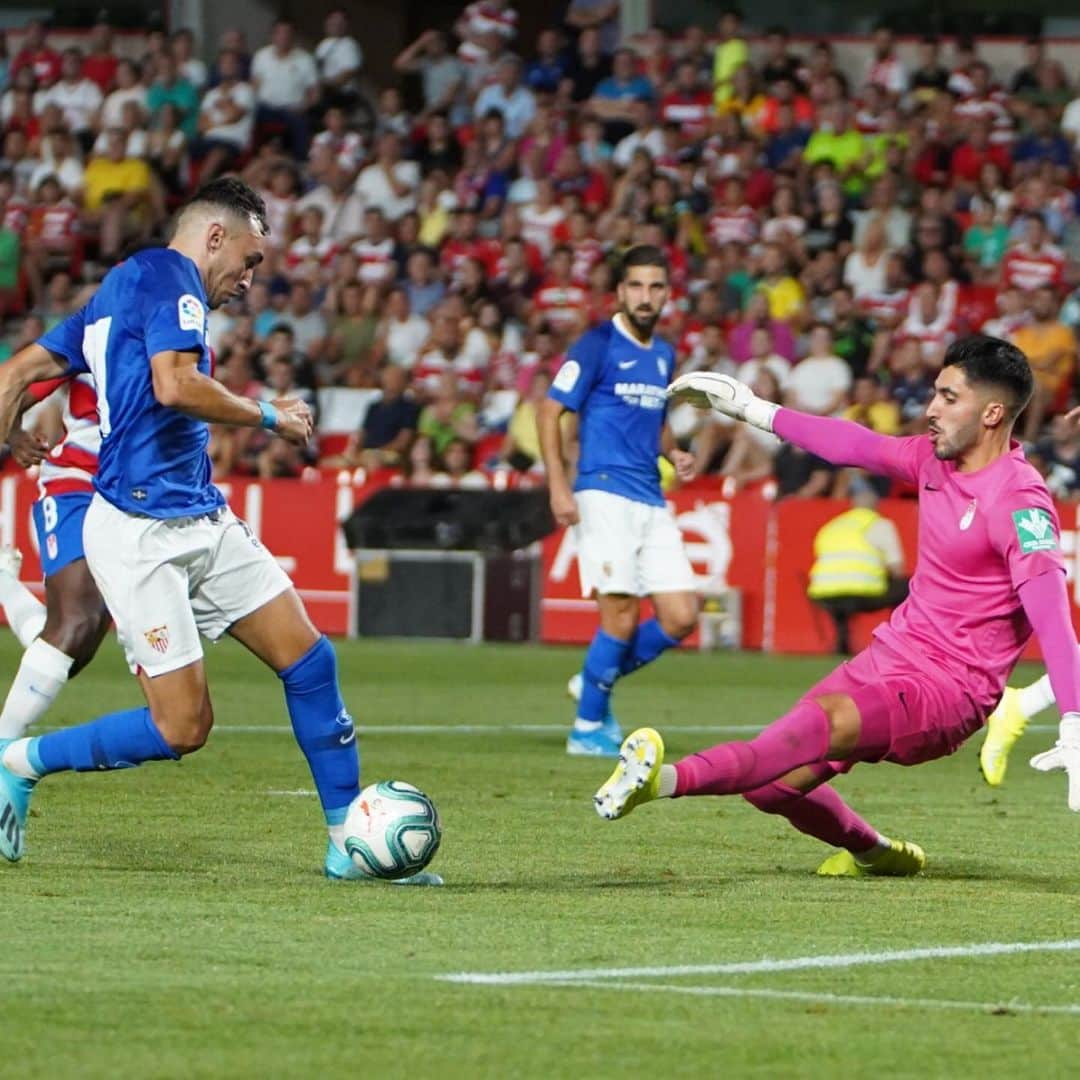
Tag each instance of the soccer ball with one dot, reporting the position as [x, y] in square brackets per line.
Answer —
[392, 829]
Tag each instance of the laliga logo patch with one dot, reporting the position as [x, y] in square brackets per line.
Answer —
[191, 314]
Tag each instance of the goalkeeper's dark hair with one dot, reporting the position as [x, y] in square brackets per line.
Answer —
[992, 362]
[233, 195]
[643, 255]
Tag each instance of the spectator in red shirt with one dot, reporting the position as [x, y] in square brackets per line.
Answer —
[36, 55]
[1033, 261]
[100, 64]
[559, 301]
[688, 104]
[969, 156]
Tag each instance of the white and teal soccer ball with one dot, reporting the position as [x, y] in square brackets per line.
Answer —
[392, 829]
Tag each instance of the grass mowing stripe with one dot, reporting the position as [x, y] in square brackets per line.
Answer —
[825, 998]
[758, 967]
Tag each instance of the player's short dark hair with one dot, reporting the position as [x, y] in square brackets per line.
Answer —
[643, 255]
[993, 362]
[232, 194]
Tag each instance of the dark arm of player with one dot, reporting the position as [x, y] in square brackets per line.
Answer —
[841, 442]
[30, 365]
[178, 384]
[1046, 603]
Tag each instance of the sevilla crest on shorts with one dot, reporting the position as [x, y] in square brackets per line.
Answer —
[158, 638]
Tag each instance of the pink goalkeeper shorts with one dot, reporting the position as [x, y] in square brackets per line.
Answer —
[910, 714]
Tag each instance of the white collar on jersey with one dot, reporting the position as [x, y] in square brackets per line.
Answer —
[616, 320]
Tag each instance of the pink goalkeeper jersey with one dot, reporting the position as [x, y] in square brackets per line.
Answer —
[981, 536]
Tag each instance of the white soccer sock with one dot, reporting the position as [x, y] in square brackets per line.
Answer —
[24, 611]
[42, 674]
[1036, 697]
[585, 726]
[668, 779]
[17, 760]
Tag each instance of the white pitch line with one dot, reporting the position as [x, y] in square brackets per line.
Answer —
[298, 793]
[824, 997]
[757, 967]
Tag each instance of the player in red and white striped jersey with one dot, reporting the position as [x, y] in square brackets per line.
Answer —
[62, 635]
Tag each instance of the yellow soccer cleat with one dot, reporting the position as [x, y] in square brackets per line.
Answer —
[900, 859]
[636, 778]
[1003, 727]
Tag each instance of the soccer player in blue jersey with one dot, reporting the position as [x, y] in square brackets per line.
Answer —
[169, 557]
[615, 378]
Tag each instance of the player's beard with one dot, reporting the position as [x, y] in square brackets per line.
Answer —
[948, 448]
[643, 324]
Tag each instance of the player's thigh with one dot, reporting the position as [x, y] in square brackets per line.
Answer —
[140, 566]
[242, 590]
[608, 537]
[663, 565]
[77, 618]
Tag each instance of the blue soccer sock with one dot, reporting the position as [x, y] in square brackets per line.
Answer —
[119, 740]
[649, 641]
[603, 663]
[323, 728]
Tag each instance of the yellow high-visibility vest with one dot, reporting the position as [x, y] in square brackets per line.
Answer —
[845, 562]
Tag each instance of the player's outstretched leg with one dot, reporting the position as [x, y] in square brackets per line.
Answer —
[76, 623]
[820, 812]
[596, 732]
[24, 612]
[1007, 723]
[117, 741]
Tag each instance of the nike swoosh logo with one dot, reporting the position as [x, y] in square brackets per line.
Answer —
[346, 739]
[930, 487]
[624, 364]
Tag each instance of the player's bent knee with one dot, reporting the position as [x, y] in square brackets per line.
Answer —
[845, 723]
[75, 634]
[681, 622]
[184, 731]
[771, 799]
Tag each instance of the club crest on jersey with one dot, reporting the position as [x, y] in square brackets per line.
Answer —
[969, 516]
[158, 639]
[190, 312]
[1034, 530]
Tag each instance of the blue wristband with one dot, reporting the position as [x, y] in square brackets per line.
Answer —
[269, 415]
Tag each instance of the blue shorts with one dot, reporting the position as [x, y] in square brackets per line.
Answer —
[58, 520]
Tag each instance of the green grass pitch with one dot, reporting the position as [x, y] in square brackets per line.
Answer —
[171, 921]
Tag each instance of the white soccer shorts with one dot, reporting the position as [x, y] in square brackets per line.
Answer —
[165, 581]
[629, 547]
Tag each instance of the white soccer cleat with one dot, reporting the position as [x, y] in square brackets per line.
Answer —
[11, 561]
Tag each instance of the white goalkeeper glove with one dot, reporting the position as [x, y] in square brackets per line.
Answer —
[1065, 755]
[725, 395]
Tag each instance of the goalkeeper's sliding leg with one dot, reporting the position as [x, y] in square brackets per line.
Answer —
[1007, 723]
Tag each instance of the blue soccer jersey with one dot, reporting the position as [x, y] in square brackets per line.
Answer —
[153, 459]
[617, 386]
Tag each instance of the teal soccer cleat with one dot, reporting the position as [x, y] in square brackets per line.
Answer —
[14, 804]
[339, 867]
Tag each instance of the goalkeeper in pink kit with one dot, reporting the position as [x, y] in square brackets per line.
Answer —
[989, 572]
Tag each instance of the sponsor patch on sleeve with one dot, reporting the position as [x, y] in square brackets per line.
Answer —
[567, 376]
[190, 311]
[1034, 530]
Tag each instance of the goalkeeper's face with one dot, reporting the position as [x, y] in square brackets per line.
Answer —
[960, 415]
[642, 293]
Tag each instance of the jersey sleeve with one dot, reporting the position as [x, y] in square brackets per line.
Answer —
[1025, 531]
[66, 340]
[579, 373]
[175, 322]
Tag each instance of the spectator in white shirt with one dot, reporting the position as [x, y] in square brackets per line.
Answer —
[286, 84]
[77, 97]
[819, 384]
[402, 333]
[342, 208]
[226, 119]
[339, 59]
[389, 184]
[508, 97]
[647, 135]
[128, 88]
[182, 46]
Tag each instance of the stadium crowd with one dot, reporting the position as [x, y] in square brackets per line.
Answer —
[443, 240]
